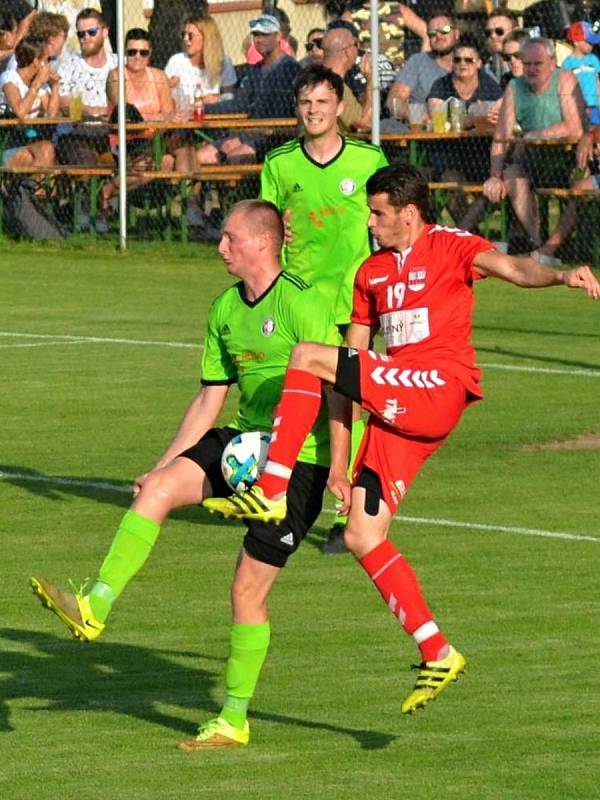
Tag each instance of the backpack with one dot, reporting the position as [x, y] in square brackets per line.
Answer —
[25, 216]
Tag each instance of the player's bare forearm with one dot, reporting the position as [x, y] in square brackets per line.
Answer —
[340, 422]
[528, 273]
[200, 416]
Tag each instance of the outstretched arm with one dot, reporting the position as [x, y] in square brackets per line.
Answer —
[200, 416]
[530, 274]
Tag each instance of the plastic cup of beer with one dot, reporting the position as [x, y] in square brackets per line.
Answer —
[416, 114]
[75, 107]
[439, 118]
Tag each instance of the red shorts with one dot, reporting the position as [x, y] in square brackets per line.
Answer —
[413, 410]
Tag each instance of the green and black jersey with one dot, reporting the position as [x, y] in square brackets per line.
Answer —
[329, 214]
[249, 343]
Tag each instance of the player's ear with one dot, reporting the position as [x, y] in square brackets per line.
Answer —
[340, 109]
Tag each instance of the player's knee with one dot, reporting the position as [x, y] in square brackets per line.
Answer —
[353, 539]
[159, 488]
[303, 355]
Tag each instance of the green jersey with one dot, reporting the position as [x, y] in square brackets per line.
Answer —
[328, 202]
[249, 343]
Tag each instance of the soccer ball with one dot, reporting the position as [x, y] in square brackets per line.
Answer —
[244, 459]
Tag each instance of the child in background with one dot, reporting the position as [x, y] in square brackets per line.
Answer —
[585, 65]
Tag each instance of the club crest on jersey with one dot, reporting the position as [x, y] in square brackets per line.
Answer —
[347, 186]
[268, 327]
[416, 279]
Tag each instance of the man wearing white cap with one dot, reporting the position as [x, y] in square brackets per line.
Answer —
[267, 90]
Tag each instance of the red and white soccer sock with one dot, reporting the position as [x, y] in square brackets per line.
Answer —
[398, 585]
[295, 416]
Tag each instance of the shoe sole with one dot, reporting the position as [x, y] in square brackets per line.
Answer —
[434, 695]
[48, 602]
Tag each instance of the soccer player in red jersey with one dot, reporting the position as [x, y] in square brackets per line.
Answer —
[418, 291]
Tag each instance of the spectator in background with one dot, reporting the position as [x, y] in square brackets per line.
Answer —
[288, 43]
[68, 9]
[415, 79]
[51, 31]
[341, 48]
[511, 55]
[585, 65]
[22, 13]
[266, 91]
[202, 64]
[395, 20]
[8, 38]
[84, 76]
[166, 23]
[464, 160]
[313, 47]
[497, 28]
[545, 102]
[146, 88]
[30, 90]
[86, 72]
[355, 76]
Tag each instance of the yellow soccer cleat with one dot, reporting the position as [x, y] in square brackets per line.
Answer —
[433, 678]
[251, 504]
[216, 733]
[72, 609]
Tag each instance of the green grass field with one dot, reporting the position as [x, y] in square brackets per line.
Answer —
[100, 355]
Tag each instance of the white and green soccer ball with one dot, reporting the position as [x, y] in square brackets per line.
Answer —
[244, 459]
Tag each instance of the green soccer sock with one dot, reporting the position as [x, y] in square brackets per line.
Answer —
[134, 539]
[248, 648]
[358, 428]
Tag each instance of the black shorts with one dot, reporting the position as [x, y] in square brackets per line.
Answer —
[265, 541]
[347, 374]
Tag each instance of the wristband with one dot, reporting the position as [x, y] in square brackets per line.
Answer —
[496, 174]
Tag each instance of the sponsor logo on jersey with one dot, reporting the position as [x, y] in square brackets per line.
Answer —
[416, 279]
[392, 410]
[375, 281]
[268, 327]
[347, 186]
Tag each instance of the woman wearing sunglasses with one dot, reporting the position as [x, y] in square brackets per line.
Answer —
[467, 159]
[202, 63]
[146, 87]
[147, 90]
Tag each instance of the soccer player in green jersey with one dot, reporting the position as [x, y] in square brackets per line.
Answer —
[252, 329]
[318, 182]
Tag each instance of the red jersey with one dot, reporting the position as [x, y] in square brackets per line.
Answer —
[422, 300]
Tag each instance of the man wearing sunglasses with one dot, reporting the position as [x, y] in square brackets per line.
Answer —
[86, 72]
[414, 81]
[497, 29]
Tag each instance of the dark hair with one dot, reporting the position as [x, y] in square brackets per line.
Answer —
[314, 30]
[471, 41]
[137, 33]
[441, 12]
[404, 185]
[344, 25]
[26, 51]
[91, 13]
[312, 76]
[7, 22]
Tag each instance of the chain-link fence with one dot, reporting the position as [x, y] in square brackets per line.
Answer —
[195, 128]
